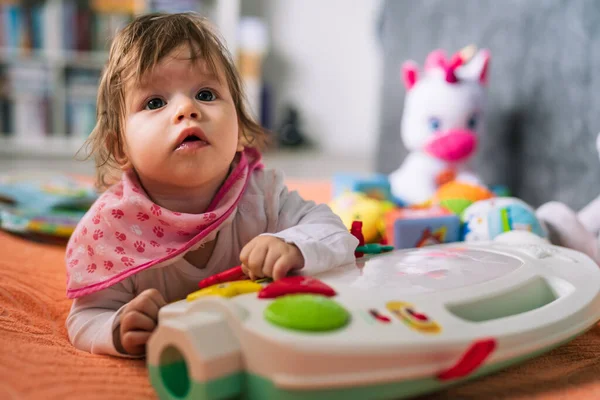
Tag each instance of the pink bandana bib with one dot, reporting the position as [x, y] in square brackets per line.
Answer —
[125, 232]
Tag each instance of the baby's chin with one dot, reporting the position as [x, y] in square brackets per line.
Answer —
[185, 177]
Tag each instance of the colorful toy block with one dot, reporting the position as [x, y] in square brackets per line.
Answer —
[408, 228]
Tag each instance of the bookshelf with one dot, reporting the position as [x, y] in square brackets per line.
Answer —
[51, 56]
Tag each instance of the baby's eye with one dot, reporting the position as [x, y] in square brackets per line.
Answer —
[206, 95]
[155, 103]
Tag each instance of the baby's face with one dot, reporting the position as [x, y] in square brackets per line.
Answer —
[181, 125]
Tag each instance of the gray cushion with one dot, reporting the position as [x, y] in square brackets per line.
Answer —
[543, 111]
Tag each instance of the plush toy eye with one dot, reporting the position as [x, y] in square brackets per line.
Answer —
[434, 123]
[472, 122]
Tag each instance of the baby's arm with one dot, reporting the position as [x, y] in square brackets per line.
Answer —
[94, 317]
[113, 321]
[314, 229]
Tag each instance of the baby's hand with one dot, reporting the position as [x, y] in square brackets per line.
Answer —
[138, 321]
[270, 256]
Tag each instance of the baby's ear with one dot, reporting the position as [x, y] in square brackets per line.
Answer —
[241, 140]
[118, 151]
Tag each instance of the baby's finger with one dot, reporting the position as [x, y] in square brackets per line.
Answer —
[270, 259]
[145, 305]
[134, 342]
[155, 296]
[281, 268]
[246, 250]
[256, 260]
[136, 321]
[247, 272]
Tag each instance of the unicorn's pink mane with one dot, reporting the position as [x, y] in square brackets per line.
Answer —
[437, 59]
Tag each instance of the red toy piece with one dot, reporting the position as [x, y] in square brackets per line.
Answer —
[233, 274]
[295, 284]
[381, 318]
[356, 230]
[474, 357]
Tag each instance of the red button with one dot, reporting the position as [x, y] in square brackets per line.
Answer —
[295, 284]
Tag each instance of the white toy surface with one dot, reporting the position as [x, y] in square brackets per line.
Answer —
[400, 324]
[441, 123]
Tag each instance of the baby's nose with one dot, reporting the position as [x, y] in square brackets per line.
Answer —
[186, 109]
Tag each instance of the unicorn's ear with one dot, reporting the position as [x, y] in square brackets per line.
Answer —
[477, 68]
[485, 64]
[435, 59]
[410, 74]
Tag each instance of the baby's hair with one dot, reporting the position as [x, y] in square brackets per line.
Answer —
[136, 50]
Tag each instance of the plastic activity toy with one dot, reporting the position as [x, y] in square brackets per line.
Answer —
[233, 274]
[400, 324]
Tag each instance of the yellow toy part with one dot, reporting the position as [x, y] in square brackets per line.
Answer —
[227, 289]
[356, 206]
[406, 313]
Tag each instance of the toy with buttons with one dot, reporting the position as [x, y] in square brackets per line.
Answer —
[399, 324]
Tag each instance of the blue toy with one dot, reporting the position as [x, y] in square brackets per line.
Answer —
[421, 232]
[376, 186]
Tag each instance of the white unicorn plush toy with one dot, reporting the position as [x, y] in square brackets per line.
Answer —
[441, 123]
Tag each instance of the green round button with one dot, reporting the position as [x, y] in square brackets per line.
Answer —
[307, 312]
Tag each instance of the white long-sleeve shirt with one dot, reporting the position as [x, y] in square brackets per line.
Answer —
[266, 207]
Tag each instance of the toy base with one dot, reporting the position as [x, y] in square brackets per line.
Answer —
[255, 387]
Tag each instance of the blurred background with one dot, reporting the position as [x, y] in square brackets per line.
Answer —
[324, 77]
[311, 70]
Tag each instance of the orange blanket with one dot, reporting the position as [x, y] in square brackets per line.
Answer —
[38, 362]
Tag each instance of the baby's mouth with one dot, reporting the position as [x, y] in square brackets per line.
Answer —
[193, 140]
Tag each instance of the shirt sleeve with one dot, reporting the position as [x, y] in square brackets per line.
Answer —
[94, 317]
[319, 234]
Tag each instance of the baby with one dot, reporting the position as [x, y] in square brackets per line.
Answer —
[186, 194]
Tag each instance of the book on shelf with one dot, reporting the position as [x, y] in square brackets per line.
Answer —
[51, 56]
[75, 25]
[82, 89]
[5, 115]
[5, 107]
[51, 26]
[29, 88]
